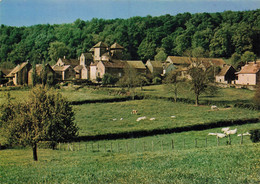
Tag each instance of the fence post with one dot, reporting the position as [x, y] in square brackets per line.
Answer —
[162, 145]
[152, 145]
[172, 145]
[241, 142]
[126, 147]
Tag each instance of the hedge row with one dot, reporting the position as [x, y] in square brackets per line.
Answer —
[144, 133]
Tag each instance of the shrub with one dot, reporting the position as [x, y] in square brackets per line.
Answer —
[255, 135]
[157, 80]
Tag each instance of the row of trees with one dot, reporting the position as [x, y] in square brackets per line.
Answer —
[221, 34]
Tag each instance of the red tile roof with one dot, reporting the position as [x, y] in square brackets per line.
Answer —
[250, 68]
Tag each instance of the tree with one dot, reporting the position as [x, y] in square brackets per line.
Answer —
[235, 60]
[201, 74]
[172, 81]
[248, 57]
[46, 116]
[161, 55]
[131, 79]
[257, 95]
[58, 50]
[109, 79]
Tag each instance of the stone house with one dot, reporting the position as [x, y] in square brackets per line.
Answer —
[154, 67]
[226, 75]
[19, 75]
[51, 75]
[65, 72]
[137, 65]
[249, 74]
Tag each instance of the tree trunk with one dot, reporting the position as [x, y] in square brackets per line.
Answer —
[197, 100]
[175, 94]
[34, 147]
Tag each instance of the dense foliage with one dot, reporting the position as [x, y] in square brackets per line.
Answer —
[221, 34]
[255, 135]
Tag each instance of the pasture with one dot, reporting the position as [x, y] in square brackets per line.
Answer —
[213, 164]
[105, 118]
[186, 157]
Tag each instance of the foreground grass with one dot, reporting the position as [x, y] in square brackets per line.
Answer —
[239, 164]
[94, 119]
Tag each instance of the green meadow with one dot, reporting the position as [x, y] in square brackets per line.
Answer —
[104, 118]
[186, 157]
[212, 164]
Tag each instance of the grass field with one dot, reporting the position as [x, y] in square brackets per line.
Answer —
[214, 164]
[94, 119]
[195, 158]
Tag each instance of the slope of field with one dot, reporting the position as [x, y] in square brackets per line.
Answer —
[100, 118]
[214, 164]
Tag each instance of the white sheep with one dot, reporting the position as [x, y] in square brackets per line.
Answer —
[220, 135]
[231, 132]
[173, 116]
[214, 107]
[141, 118]
[212, 134]
[225, 129]
[152, 119]
[114, 119]
[244, 134]
[121, 119]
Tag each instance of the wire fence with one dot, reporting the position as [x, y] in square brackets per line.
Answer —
[157, 144]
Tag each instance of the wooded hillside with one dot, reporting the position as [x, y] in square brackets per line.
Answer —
[221, 34]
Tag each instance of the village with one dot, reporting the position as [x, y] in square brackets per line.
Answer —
[103, 59]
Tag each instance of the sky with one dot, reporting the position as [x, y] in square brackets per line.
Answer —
[32, 12]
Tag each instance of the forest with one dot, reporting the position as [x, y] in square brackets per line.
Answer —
[220, 34]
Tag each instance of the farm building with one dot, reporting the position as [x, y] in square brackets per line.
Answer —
[154, 67]
[19, 75]
[50, 73]
[249, 74]
[226, 75]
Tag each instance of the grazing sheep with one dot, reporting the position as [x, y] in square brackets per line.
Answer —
[121, 119]
[114, 119]
[134, 112]
[244, 134]
[225, 129]
[141, 118]
[152, 119]
[173, 116]
[214, 107]
[220, 135]
[212, 133]
[231, 132]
